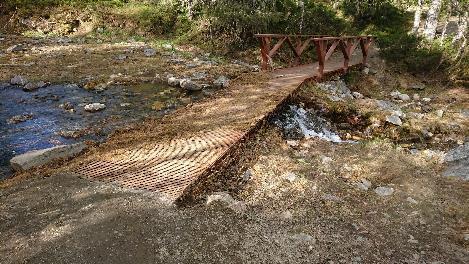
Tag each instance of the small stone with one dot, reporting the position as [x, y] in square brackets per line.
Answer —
[417, 87]
[416, 97]
[167, 46]
[220, 198]
[221, 82]
[292, 143]
[411, 200]
[125, 104]
[384, 191]
[172, 81]
[247, 175]
[66, 106]
[426, 100]
[19, 118]
[121, 57]
[404, 97]
[395, 94]
[16, 48]
[394, 119]
[158, 106]
[366, 70]
[34, 86]
[149, 52]
[357, 95]
[466, 237]
[373, 71]
[412, 240]
[364, 184]
[18, 80]
[325, 159]
[41, 157]
[330, 197]
[287, 215]
[94, 107]
[302, 237]
[189, 85]
[289, 176]
[439, 113]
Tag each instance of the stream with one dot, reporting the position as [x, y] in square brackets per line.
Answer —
[55, 115]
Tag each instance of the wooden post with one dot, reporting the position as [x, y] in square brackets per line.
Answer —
[365, 45]
[321, 51]
[265, 49]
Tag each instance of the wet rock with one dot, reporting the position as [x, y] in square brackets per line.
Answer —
[384, 191]
[149, 52]
[172, 81]
[19, 118]
[189, 85]
[34, 86]
[221, 82]
[94, 107]
[41, 157]
[394, 119]
[289, 176]
[66, 106]
[16, 48]
[18, 80]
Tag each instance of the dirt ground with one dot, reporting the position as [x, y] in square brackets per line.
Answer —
[299, 203]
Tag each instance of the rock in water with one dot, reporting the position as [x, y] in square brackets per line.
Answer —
[221, 82]
[94, 107]
[38, 158]
[384, 191]
[33, 86]
[18, 80]
[394, 119]
[189, 85]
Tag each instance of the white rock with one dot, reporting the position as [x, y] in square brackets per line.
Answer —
[426, 99]
[293, 143]
[286, 215]
[364, 184]
[325, 159]
[411, 200]
[384, 191]
[220, 198]
[94, 107]
[16, 48]
[395, 94]
[416, 97]
[366, 70]
[173, 81]
[357, 95]
[221, 82]
[18, 80]
[41, 157]
[439, 113]
[289, 176]
[189, 85]
[394, 119]
[404, 97]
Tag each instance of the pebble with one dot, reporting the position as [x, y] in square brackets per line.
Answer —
[326, 159]
[404, 97]
[411, 200]
[16, 48]
[220, 197]
[172, 81]
[247, 175]
[416, 97]
[286, 215]
[289, 176]
[364, 184]
[384, 191]
[34, 86]
[357, 95]
[439, 113]
[94, 107]
[426, 99]
[293, 143]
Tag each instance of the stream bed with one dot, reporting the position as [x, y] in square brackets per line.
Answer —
[55, 115]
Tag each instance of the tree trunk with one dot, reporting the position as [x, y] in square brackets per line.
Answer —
[462, 27]
[417, 15]
[432, 19]
[448, 16]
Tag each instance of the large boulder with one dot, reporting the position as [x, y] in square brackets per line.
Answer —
[38, 158]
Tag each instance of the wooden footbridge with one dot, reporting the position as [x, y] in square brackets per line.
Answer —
[176, 155]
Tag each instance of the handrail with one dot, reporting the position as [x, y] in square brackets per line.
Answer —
[325, 47]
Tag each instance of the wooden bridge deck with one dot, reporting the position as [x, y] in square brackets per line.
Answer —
[168, 155]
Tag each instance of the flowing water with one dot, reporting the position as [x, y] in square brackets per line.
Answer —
[297, 122]
[46, 123]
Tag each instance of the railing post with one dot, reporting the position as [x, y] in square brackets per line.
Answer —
[321, 51]
[365, 45]
[265, 49]
[345, 47]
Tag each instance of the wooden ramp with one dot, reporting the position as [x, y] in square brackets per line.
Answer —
[169, 155]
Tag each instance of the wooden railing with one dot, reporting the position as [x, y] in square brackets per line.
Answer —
[324, 46]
